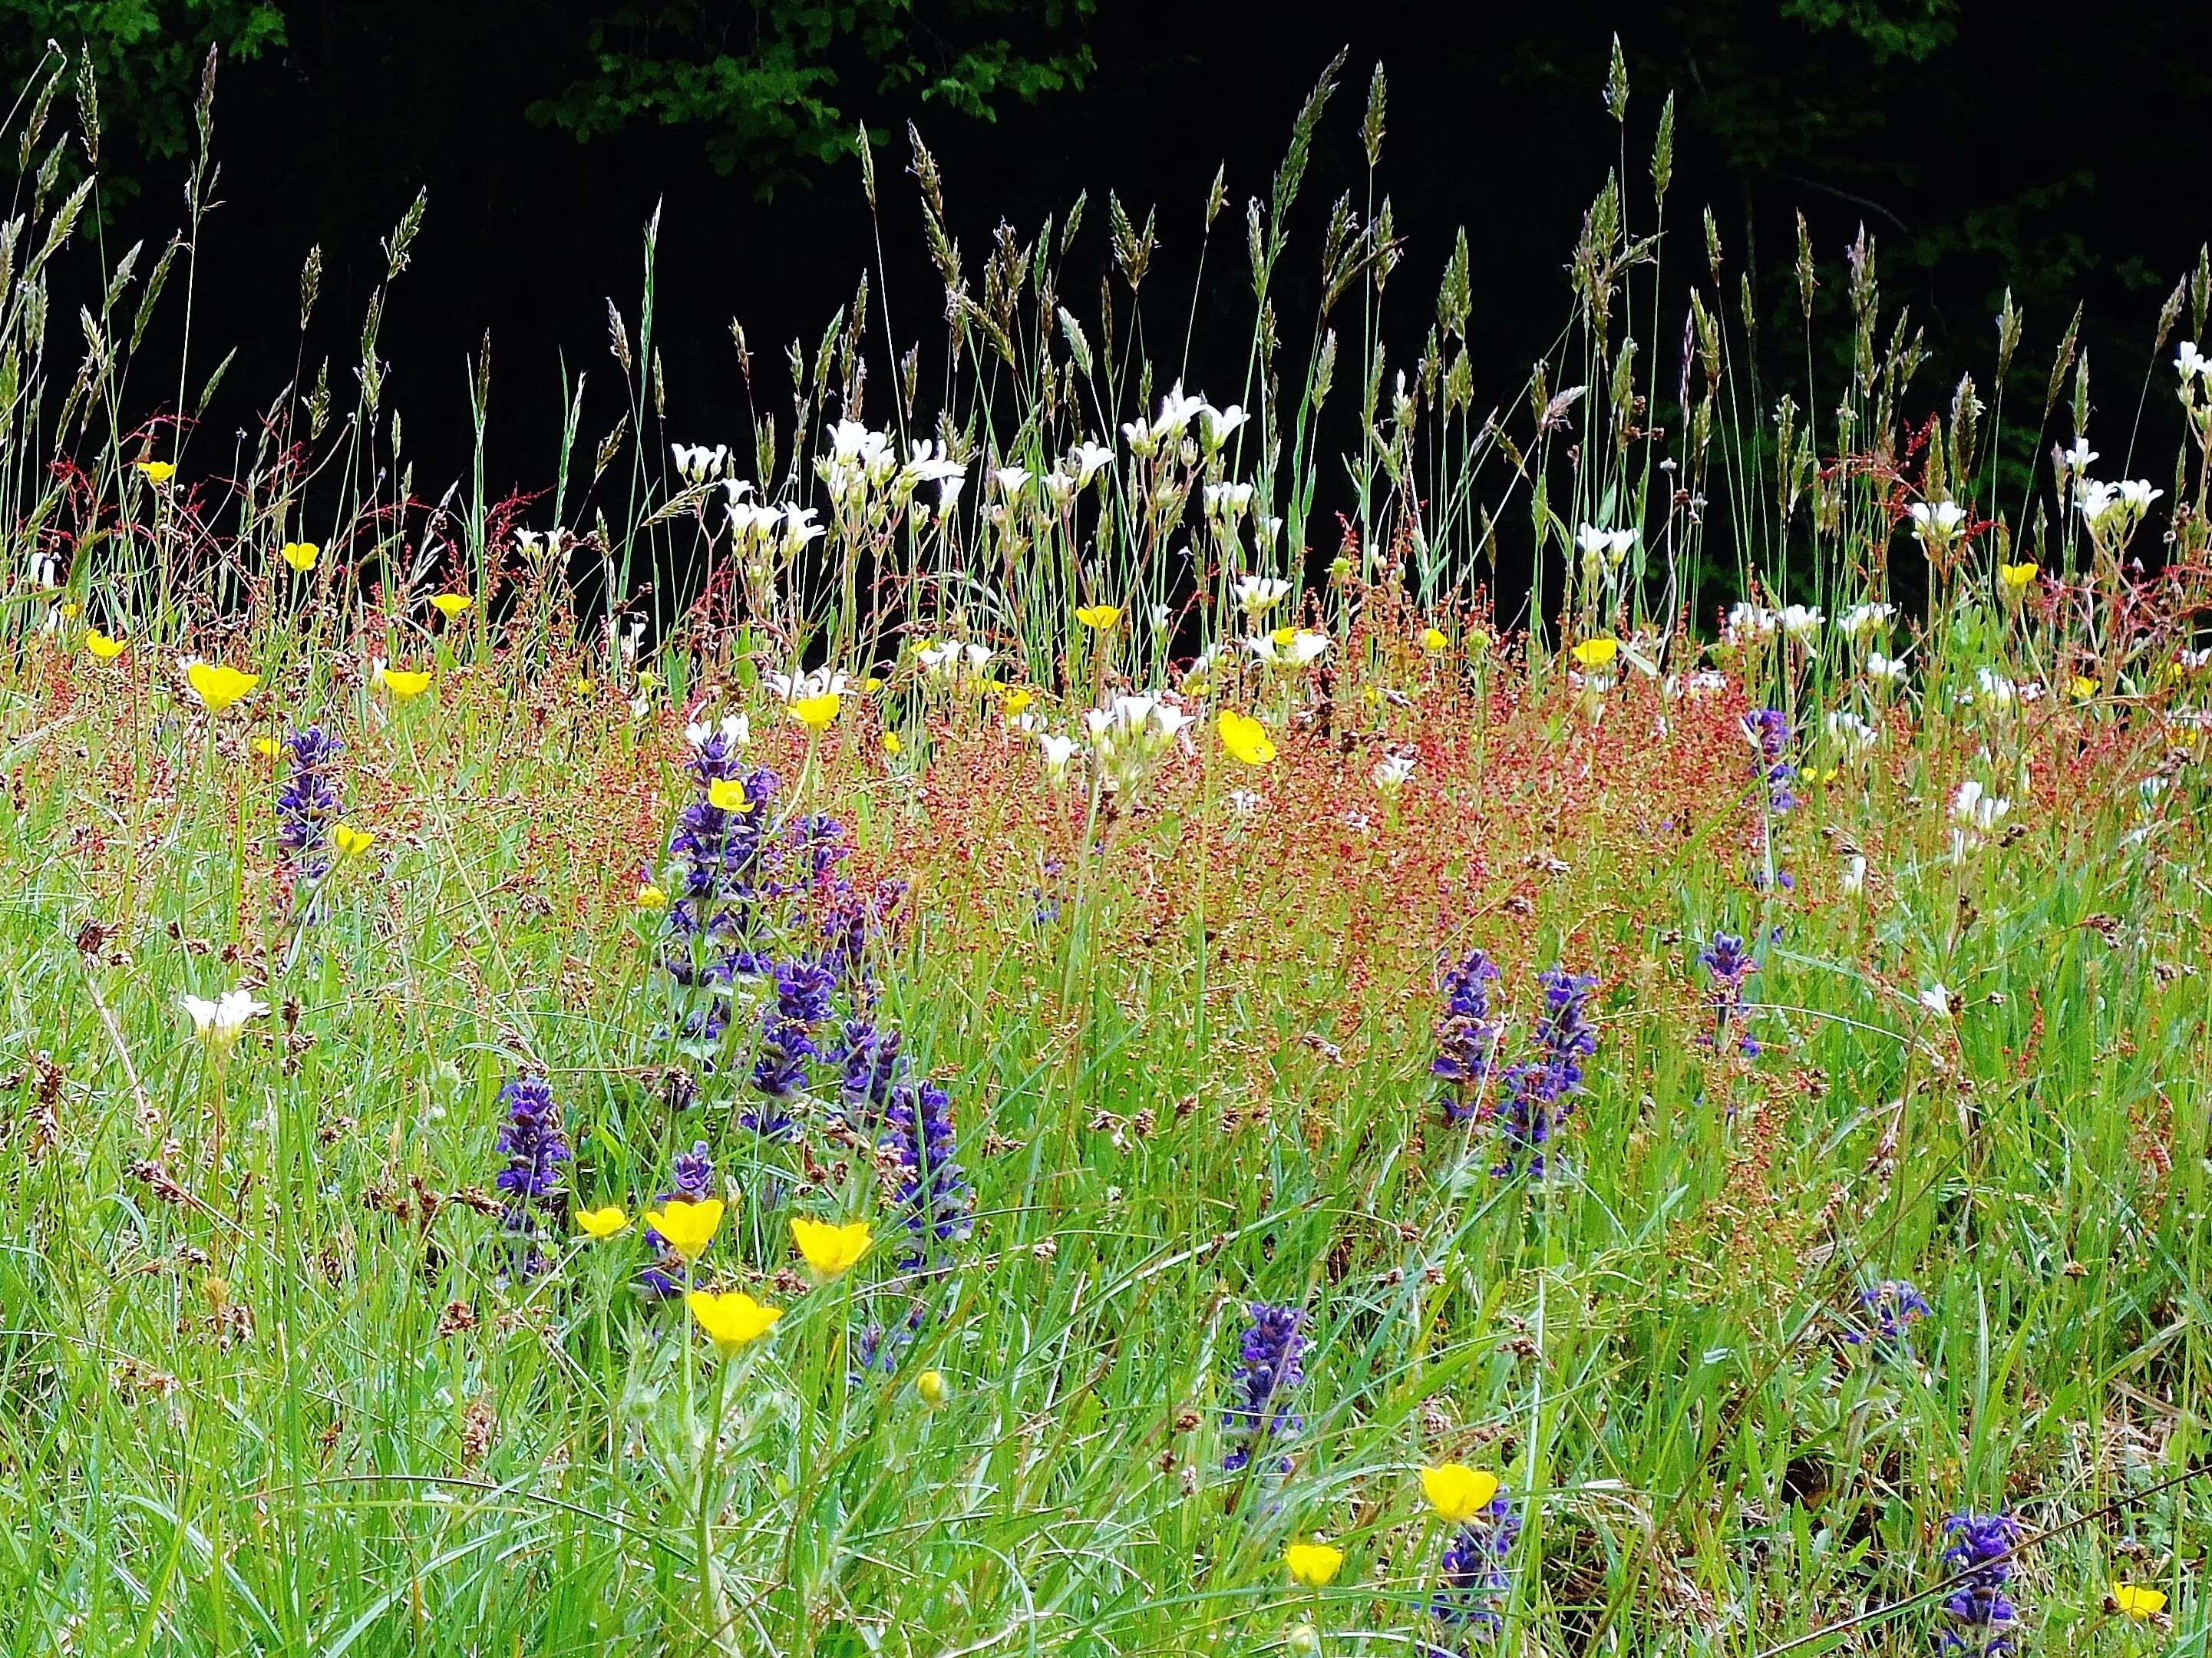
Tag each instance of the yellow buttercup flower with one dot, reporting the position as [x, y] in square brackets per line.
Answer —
[1099, 618]
[1284, 637]
[267, 747]
[1014, 702]
[351, 841]
[580, 686]
[1433, 640]
[650, 897]
[830, 1249]
[602, 1223]
[156, 471]
[1245, 738]
[817, 712]
[1597, 653]
[300, 554]
[732, 1321]
[404, 685]
[687, 1228]
[2083, 688]
[450, 605]
[728, 794]
[2135, 1601]
[1457, 1492]
[1313, 1564]
[2017, 578]
[216, 686]
[103, 648]
[930, 1384]
[892, 746]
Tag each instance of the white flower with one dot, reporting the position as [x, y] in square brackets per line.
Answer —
[798, 687]
[1227, 501]
[1800, 621]
[1215, 425]
[1862, 619]
[2188, 363]
[928, 462]
[1606, 547]
[1848, 728]
[1168, 718]
[1176, 412]
[1267, 528]
[1854, 876]
[736, 731]
[218, 1023]
[1749, 621]
[1258, 593]
[1143, 440]
[2137, 494]
[2003, 692]
[1011, 480]
[799, 528]
[1060, 487]
[1974, 808]
[1889, 669]
[1088, 459]
[696, 463]
[1937, 1001]
[1304, 646]
[1058, 751]
[1392, 772]
[2077, 460]
[977, 655]
[1162, 614]
[1937, 523]
[941, 659]
[1244, 802]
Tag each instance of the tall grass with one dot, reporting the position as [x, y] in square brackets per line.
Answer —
[280, 1379]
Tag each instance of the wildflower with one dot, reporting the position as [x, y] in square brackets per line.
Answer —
[892, 745]
[934, 1196]
[350, 842]
[1011, 480]
[2078, 459]
[1852, 730]
[1800, 621]
[696, 463]
[816, 713]
[1597, 653]
[600, 1224]
[1892, 1308]
[1937, 1001]
[1088, 460]
[1937, 523]
[1294, 648]
[403, 685]
[1264, 1385]
[651, 897]
[730, 1320]
[103, 648]
[729, 794]
[1216, 425]
[1245, 738]
[2014, 580]
[687, 1227]
[216, 686]
[2083, 687]
[1471, 1574]
[930, 1386]
[1539, 1092]
[156, 471]
[1884, 670]
[1767, 731]
[1226, 502]
[1392, 772]
[1457, 1492]
[2130, 1600]
[1862, 619]
[1057, 751]
[1979, 1549]
[786, 1043]
[1098, 617]
[830, 1249]
[300, 554]
[1313, 1564]
[450, 605]
[219, 1023]
[535, 1146]
[1433, 640]
[1976, 812]
[1467, 1036]
[1730, 965]
[307, 804]
[1749, 621]
[1853, 879]
[1604, 549]
[1257, 594]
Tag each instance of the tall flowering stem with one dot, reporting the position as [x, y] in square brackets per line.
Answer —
[1980, 1618]
[1468, 1037]
[1264, 1389]
[536, 1144]
[934, 1200]
[1540, 1091]
[691, 1180]
[1472, 1579]
[306, 807]
[1730, 963]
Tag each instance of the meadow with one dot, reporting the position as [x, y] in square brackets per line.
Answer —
[1066, 1052]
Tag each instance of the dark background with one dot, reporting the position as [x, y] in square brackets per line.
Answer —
[2057, 149]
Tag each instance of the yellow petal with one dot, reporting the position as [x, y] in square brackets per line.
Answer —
[602, 1223]
[817, 712]
[1597, 653]
[728, 794]
[1314, 1564]
[351, 841]
[830, 1249]
[404, 685]
[216, 686]
[731, 1320]
[1457, 1492]
[687, 1228]
[103, 648]
[2135, 1601]
[300, 554]
[650, 897]
[1245, 738]
[1099, 617]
